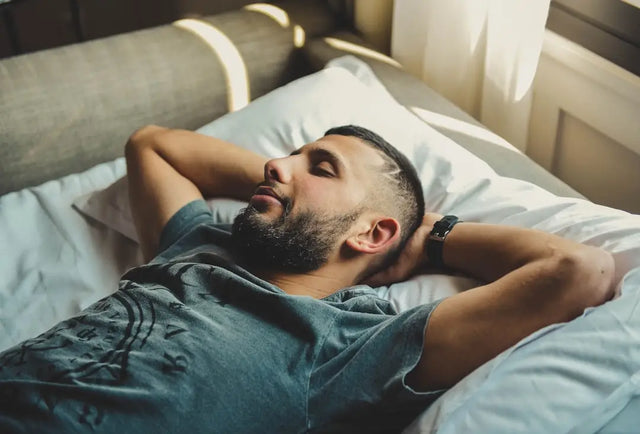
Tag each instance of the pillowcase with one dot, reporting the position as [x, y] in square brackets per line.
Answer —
[110, 206]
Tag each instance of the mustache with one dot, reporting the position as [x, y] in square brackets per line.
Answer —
[286, 201]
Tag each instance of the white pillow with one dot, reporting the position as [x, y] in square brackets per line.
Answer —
[300, 112]
[454, 180]
[110, 206]
[346, 92]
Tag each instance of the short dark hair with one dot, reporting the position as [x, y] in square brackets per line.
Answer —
[405, 186]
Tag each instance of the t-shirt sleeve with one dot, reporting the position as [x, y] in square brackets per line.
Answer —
[359, 374]
[182, 222]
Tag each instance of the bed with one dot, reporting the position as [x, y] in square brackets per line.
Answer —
[66, 241]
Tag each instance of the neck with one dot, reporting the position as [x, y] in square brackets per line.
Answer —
[317, 284]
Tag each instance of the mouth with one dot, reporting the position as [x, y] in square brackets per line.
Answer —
[266, 194]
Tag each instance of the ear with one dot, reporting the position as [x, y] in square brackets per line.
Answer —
[378, 237]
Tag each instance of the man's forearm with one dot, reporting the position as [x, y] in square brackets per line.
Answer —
[215, 167]
[488, 252]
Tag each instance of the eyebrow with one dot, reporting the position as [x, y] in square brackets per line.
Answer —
[324, 154]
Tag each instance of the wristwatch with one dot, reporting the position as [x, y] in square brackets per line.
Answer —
[435, 242]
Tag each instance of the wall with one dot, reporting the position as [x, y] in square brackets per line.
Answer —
[373, 19]
[585, 123]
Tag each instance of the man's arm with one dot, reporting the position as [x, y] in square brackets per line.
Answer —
[536, 279]
[167, 169]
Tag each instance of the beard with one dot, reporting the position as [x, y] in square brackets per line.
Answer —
[293, 244]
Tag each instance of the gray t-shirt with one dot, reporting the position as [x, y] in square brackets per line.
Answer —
[192, 342]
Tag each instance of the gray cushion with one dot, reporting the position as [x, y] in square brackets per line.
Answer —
[67, 109]
[410, 91]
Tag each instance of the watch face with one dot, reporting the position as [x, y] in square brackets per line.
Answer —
[444, 225]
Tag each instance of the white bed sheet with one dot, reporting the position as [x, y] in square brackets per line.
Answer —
[55, 262]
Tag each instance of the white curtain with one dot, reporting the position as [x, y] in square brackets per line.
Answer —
[481, 54]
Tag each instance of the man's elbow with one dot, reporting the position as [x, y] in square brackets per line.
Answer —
[589, 276]
[143, 137]
[603, 270]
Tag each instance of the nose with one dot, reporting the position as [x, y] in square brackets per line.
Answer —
[278, 170]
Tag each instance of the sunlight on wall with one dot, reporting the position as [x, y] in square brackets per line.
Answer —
[299, 36]
[456, 125]
[238, 93]
[280, 16]
[359, 49]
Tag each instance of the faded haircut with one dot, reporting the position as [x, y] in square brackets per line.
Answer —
[404, 197]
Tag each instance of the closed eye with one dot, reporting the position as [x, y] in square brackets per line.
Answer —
[323, 168]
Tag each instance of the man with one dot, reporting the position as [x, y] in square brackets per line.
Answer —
[269, 328]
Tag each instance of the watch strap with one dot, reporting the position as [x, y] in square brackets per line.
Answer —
[435, 241]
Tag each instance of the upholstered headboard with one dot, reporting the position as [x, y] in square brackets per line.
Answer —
[66, 109]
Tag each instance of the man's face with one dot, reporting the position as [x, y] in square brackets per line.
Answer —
[303, 211]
